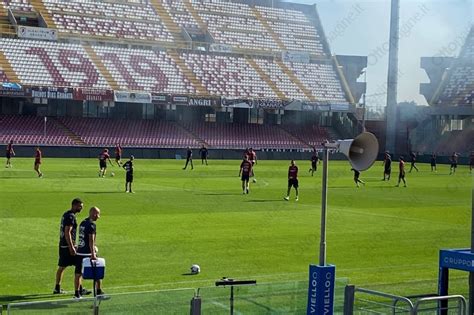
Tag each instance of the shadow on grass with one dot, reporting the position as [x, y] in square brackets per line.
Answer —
[264, 200]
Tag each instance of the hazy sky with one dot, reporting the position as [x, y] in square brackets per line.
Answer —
[427, 28]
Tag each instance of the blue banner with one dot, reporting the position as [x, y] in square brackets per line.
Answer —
[460, 259]
[321, 290]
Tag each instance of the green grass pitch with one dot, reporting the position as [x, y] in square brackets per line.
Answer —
[379, 236]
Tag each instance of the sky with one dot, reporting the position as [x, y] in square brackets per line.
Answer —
[427, 28]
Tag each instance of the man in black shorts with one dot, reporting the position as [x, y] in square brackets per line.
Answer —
[67, 243]
[204, 152]
[413, 162]
[189, 158]
[292, 180]
[433, 162]
[356, 177]
[245, 171]
[387, 166]
[401, 174]
[128, 166]
[454, 163]
[103, 157]
[314, 162]
[86, 248]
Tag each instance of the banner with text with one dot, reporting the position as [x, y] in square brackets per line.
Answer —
[158, 98]
[98, 95]
[132, 97]
[321, 290]
[53, 93]
[204, 101]
[223, 48]
[37, 33]
[295, 56]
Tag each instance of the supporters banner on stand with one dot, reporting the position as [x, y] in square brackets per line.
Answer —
[204, 101]
[158, 98]
[60, 93]
[295, 56]
[223, 48]
[98, 95]
[9, 92]
[132, 97]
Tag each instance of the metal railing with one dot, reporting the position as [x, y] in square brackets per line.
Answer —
[378, 303]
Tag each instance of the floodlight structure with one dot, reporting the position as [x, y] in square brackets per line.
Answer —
[362, 153]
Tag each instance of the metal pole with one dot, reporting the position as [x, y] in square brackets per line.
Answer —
[44, 126]
[471, 274]
[322, 246]
[363, 100]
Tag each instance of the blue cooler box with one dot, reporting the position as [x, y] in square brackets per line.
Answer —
[93, 269]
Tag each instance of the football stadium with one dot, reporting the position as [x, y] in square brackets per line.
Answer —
[236, 156]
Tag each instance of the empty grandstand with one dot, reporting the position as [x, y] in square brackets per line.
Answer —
[186, 72]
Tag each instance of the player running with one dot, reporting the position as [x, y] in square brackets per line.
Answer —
[204, 152]
[292, 180]
[128, 166]
[314, 162]
[387, 166]
[118, 154]
[401, 175]
[9, 154]
[454, 163]
[245, 171]
[103, 157]
[38, 156]
[413, 161]
[356, 177]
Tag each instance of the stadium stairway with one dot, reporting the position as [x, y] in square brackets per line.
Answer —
[7, 69]
[101, 67]
[295, 80]
[68, 132]
[188, 72]
[189, 6]
[265, 78]
[38, 5]
[5, 26]
[192, 135]
[267, 27]
[172, 27]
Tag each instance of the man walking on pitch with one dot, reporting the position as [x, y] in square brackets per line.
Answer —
[253, 159]
[387, 166]
[103, 157]
[433, 162]
[86, 248]
[38, 156]
[314, 162]
[356, 177]
[401, 175]
[292, 180]
[245, 171]
[189, 158]
[9, 154]
[454, 163]
[128, 166]
[413, 161]
[67, 244]
[204, 154]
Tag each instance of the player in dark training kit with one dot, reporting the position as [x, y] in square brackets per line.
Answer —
[387, 166]
[189, 158]
[471, 162]
[356, 177]
[245, 172]
[128, 166]
[433, 162]
[204, 152]
[454, 163]
[401, 175]
[86, 248]
[38, 157]
[9, 154]
[103, 157]
[292, 180]
[314, 162]
[253, 159]
[67, 243]
[118, 154]
[413, 161]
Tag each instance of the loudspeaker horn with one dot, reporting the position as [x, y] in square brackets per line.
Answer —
[361, 151]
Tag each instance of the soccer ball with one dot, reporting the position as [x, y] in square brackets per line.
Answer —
[112, 174]
[195, 269]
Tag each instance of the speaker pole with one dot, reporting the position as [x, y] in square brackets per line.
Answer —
[322, 245]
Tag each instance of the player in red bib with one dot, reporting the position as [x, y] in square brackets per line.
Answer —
[103, 157]
[38, 156]
[10, 152]
[292, 180]
[401, 175]
[245, 172]
[118, 154]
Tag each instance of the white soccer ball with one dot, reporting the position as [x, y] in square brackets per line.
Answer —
[195, 269]
[112, 174]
